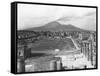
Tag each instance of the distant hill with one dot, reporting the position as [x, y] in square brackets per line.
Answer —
[56, 26]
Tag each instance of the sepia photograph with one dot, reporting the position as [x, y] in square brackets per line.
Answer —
[56, 38]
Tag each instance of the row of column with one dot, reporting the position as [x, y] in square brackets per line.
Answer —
[86, 49]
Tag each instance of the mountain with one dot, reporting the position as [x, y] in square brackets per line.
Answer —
[56, 26]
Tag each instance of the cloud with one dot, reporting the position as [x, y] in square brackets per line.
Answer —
[38, 15]
[87, 21]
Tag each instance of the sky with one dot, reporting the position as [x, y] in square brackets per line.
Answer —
[30, 16]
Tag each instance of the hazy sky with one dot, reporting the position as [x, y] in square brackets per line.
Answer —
[30, 15]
